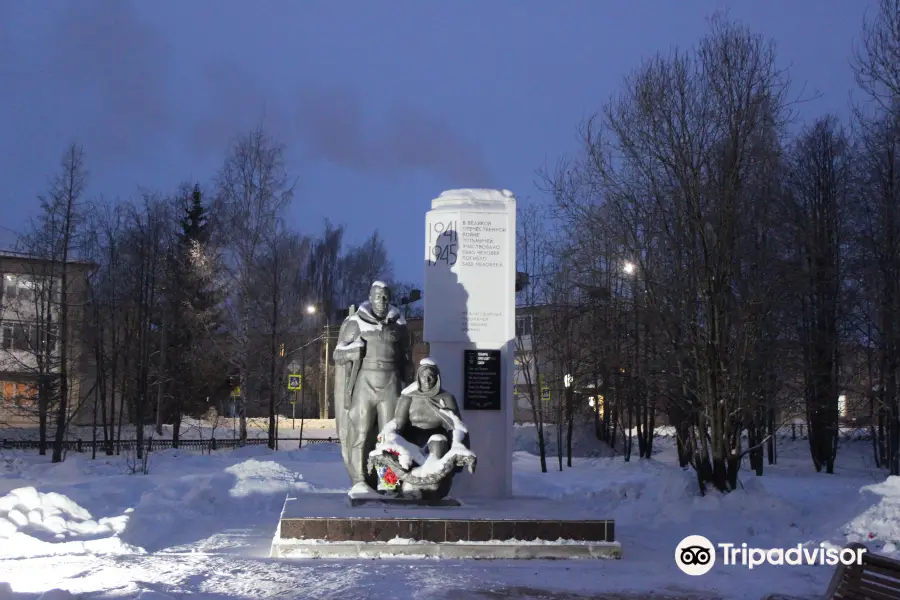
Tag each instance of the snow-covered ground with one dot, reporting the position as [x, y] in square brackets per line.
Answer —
[201, 525]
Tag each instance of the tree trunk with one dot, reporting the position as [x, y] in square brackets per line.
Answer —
[63, 412]
[160, 385]
[176, 428]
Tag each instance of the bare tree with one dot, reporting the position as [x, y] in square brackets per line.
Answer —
[107, 315]
[360, 266]
[876, 63]
[877, 216]
[533, 260]
[281, 311]
[817, 187]
[678, 151]
[45, 338]
[254, 190]
[144, 252]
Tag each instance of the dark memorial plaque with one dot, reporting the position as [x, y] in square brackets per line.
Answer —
[481, 380]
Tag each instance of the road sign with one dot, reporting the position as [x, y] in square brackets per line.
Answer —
[295, 382]
[545, 393]
[236, 392]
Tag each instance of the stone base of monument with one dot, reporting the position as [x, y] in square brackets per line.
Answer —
[402, 502]
[325, 526]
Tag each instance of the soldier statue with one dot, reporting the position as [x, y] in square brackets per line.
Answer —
[426, 443]
[373, 365]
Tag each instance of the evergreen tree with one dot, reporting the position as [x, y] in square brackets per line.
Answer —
[195, 320]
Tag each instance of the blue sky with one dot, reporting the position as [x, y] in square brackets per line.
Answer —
[382, 105]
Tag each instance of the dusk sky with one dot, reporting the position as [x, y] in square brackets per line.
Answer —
[382, 105]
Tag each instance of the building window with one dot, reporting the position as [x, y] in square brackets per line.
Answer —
[18, 287]
[46, 337]
[25, 337]
[26, 288]
[524, 325]
[20, 338]
[20, 394]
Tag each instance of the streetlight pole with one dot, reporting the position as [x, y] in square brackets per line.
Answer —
[302, 391]
[324, 415]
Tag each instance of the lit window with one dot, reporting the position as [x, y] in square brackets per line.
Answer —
[9, 286]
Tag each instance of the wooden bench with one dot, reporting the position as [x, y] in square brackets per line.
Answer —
[877, 578]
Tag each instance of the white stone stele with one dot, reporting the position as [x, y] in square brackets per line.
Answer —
[469, 295]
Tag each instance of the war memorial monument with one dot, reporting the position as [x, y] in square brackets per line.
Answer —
[428, 447]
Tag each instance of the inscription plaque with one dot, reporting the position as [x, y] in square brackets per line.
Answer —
[467, 270]
[481, 380]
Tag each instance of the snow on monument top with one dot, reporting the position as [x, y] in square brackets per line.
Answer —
[474, 198]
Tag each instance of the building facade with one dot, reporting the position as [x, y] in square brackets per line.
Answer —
[30, 317]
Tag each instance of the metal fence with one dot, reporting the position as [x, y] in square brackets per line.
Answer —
[152, 444]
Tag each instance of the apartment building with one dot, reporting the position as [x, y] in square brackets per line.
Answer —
[30, 312]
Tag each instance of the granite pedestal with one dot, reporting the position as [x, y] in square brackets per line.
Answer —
[325, 525]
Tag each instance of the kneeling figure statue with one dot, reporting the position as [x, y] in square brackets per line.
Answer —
[425, 444]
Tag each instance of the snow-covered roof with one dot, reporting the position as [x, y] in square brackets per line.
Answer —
[22, 256]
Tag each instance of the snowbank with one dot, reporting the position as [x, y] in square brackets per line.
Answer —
[878, 523]
[39, 524]
[584, 440]
[199, 496]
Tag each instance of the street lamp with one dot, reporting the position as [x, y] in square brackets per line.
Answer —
[311, 309]
[629, 267]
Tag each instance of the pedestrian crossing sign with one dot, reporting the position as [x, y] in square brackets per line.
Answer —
[295, 382]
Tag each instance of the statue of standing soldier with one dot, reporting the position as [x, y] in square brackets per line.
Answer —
[373, 364]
